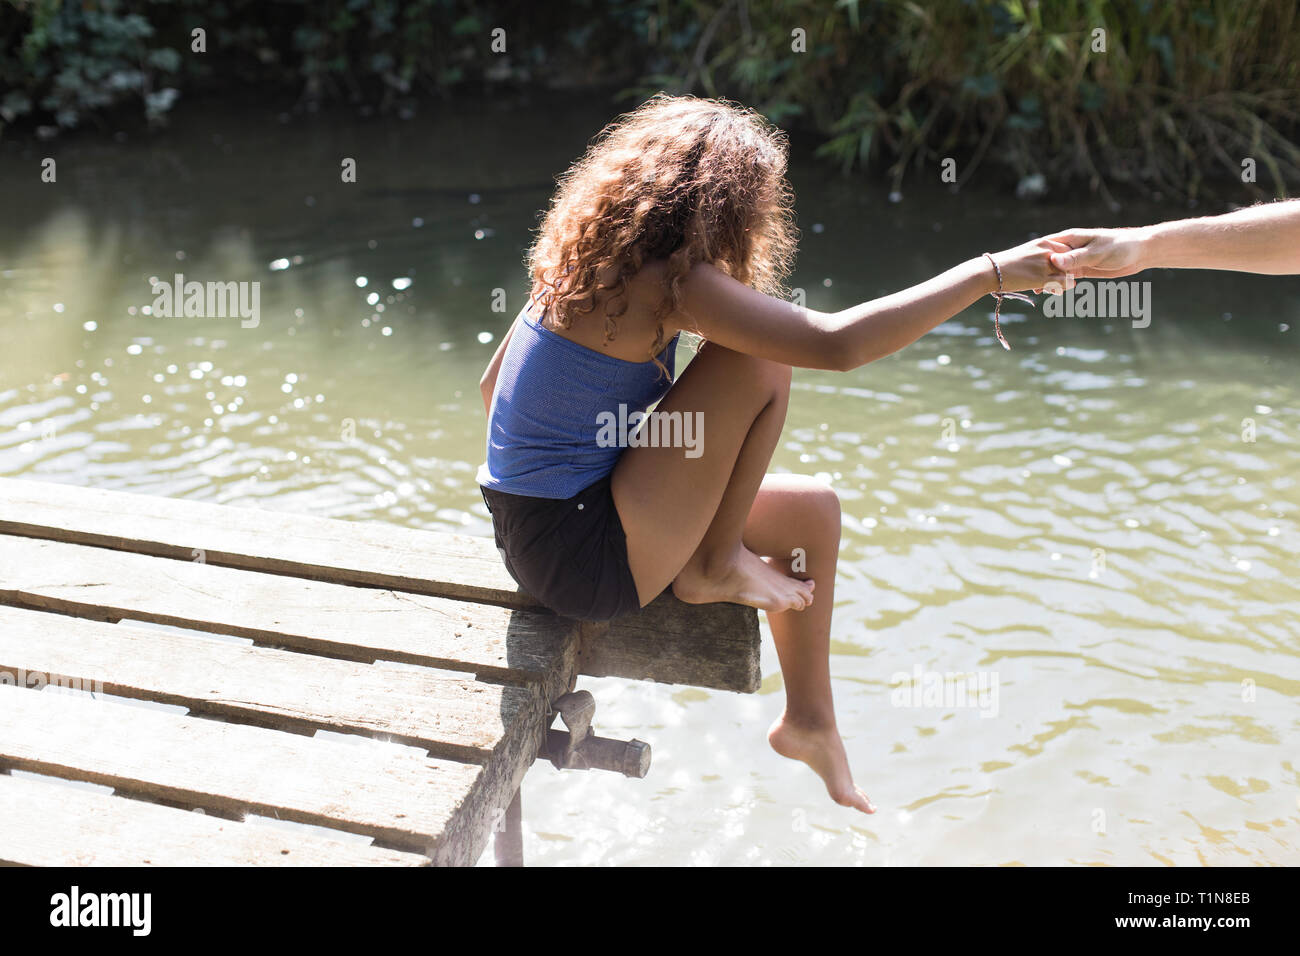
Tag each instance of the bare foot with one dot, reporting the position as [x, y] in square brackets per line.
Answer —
[744, 579]
[823, 750]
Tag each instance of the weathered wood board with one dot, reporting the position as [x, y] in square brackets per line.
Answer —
[46, 824]
[393, 794]
[464, 719]
[715, 646]
[437, 742]
[363, 624]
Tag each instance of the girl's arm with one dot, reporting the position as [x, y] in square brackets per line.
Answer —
[740, 318]
[488, 383]
[1263, 238]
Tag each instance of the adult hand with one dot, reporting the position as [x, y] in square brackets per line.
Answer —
[1100, 253]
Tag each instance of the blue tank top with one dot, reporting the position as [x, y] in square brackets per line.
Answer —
[555, 400]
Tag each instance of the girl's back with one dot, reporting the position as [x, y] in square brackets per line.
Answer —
[555, 394]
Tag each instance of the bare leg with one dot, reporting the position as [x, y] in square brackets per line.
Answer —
[798, 512]
[697, 523]
[679, 511]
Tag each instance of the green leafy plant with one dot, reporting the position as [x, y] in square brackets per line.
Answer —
[1181, 94]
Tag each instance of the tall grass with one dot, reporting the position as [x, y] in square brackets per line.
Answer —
[1184, 92]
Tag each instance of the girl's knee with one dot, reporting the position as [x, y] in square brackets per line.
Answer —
[816, 505]
[824, 505]
[774, 376]
[778, 375]
[774, 379]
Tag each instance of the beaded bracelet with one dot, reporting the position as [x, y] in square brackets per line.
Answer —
[1000, 295]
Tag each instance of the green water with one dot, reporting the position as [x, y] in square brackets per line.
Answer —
[1080, 519]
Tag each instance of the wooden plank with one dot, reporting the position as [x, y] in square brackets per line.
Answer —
[395, 795]
[716, 648]
[363, 624]
[534, 648]
[705, 645]
[361, 552]
[511, 753]
[461, 719]
[47, 824]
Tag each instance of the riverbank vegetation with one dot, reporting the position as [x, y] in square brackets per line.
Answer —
[1178, 100]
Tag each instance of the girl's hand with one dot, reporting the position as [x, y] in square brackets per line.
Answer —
[1100, 253]
[1029, 266]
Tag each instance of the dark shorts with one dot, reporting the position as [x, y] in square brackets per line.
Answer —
[569, 553]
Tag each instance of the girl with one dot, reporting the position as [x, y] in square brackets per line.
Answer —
[678, 218]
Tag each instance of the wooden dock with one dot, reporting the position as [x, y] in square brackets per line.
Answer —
[437, 680]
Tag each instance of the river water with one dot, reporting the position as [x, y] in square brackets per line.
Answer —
[1098, 529]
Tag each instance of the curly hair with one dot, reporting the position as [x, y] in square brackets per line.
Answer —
[679, 178]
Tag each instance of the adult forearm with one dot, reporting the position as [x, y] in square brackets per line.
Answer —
[1263, 238]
